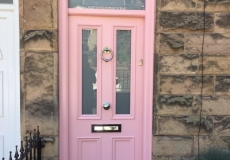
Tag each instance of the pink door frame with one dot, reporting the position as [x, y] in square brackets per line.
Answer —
[149, 14]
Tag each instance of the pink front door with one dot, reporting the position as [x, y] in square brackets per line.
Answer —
[106, 96]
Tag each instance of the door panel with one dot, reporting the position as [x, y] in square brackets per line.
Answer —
[4, 83]
[115, 82]
[123, 148]
[89, 148]
[9, 79]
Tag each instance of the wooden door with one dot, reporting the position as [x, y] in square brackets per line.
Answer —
[114, 76]
[9, 77]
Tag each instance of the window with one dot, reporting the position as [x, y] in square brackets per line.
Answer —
[7, 1]
[108, 4]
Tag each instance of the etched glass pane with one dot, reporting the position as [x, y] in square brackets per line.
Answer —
[108, 4]
[89, 66]
[123, 72]
[6, 1]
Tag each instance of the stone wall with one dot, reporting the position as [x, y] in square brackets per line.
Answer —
[39, 71]
[178, 64]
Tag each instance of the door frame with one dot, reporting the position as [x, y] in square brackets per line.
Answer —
[12, 112]
[149, 15]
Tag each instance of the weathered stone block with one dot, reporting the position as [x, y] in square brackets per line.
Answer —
[39, 98]
[215, 64]
[157, 43]
[48, 158]
[171, 43]
[174, 158]
[38, 14]
[191, 21]
[209, 142]
[39, 40]
[21, 34]
[160, 158]
[172, 146]
[175, 105]
[155, 123]
[175, 5]
[56, 146]
[222, 85]
[55, 95]
[222, 22]
[214, 5]
[22, 92]
[217, 1]
[184, 125]
[221, 125]
[183, 158]
[186, 84]
[156, 62]
[49, 150]
[181, 64]
[213, 43]
[40, 113]
[55, 13]
[215, 105]
[55, 41]
[21, 14]
[39, 70]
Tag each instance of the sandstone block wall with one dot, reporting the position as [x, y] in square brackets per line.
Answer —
[39, 71]
[177, 82]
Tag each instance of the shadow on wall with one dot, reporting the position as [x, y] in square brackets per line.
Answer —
[215, 154]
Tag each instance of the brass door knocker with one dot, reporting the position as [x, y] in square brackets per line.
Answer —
[106, 50]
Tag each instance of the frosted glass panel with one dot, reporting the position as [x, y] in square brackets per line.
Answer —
[89, 66]
[108, 4]
[123, 72]
[6, 1]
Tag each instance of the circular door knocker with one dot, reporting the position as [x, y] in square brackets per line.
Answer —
[106, 50]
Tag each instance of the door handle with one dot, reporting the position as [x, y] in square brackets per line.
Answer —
[106, 105]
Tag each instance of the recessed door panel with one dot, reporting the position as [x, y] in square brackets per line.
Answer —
[9, 78]
[123, 148]
[89, 148]
[104, 98]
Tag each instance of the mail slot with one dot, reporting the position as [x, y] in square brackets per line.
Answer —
[106, 128]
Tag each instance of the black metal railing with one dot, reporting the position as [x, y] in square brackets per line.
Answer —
[31, 150]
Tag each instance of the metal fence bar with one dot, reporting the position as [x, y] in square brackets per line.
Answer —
[30, 141]
[32, 149]
[39, 145]
[10, 156]
[27, 145]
